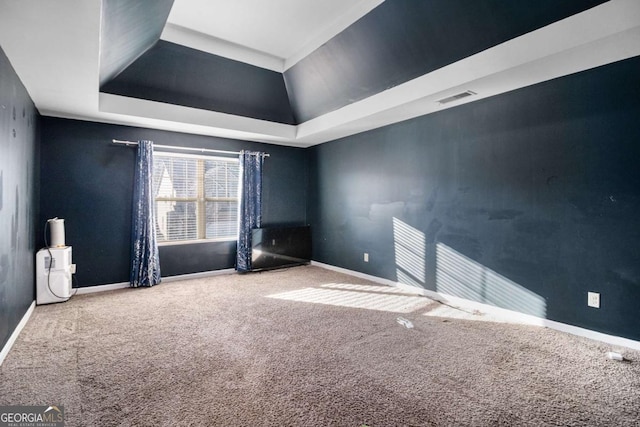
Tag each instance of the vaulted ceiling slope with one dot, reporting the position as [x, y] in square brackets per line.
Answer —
[179, 75]
[397, 41]
[404, 39]
[129, 28]
[388, 61]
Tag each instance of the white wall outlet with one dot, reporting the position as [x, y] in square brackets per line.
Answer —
[366, 257]
[593, 299]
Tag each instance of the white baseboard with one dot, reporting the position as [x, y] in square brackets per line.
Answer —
[101, 288]
[486, 308]
[200, 275]
[16, 332]
[169, 279]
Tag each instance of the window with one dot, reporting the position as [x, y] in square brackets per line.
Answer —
[196, 197]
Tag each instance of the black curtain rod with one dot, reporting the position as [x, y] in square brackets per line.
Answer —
[175, 147]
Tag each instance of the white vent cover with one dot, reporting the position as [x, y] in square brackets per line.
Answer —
[456, 97]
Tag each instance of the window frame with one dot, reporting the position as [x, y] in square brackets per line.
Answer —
[200, 199]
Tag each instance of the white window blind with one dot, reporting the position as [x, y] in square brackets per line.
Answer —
[195, 197]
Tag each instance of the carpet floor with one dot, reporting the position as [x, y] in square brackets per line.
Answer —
[306, 347]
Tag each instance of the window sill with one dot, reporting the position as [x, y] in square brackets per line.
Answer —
[195, 242]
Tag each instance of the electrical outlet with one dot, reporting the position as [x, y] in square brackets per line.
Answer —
[593, 299]
[366, 257]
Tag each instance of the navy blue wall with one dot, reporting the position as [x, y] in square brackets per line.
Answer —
[88, 181]
[527, 200]
[19, 121]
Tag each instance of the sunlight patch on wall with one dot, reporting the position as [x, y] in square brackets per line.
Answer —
[407, 279]
[463, 277]
[354, 299]
[410, 247]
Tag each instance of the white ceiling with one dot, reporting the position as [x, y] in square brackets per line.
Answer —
[54, 48]
[282, 29]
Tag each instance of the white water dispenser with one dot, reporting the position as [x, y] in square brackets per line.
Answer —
[54, 267]
[56, 232]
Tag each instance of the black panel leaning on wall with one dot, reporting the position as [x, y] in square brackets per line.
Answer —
[403, 39]
[526, 200]
[88, 181]
[19, 123]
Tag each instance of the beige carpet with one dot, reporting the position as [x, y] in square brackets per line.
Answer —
[305, 347]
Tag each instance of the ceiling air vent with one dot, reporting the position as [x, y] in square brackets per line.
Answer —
[456, 97]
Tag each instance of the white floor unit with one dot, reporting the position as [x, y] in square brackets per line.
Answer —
[53, 275]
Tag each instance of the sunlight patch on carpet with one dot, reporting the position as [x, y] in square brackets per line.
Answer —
[366, 300]
[449, 312]
[367, 288]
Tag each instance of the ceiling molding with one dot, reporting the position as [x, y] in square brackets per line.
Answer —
[206, 43]
[215, 122]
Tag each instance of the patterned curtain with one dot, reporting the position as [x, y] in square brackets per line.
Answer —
[250, 205]
[145, 262]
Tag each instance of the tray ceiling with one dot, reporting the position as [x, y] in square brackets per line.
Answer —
[56, 50]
